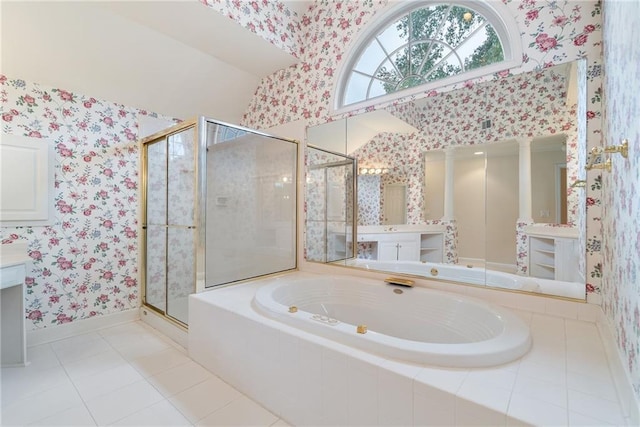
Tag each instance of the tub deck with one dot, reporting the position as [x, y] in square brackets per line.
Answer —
[305, 379]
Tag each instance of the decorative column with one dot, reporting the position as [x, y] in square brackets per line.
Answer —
[525, 217]
[524, 175]
[448, 185]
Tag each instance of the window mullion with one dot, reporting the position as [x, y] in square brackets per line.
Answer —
[440, 25]
[388, 57]
[435, 66]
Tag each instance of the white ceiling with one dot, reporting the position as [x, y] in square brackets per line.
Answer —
[177, 58]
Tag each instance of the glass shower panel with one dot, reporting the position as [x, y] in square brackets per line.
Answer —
[180, 271]
[330, 209]
[155, 293]
[251, 205]
[156, 213]
[315, 198]
[181, 178]
[180, 220]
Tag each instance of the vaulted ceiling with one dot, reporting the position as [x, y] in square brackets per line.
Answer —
[177, 58]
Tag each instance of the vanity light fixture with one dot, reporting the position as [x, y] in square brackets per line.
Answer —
[477, 153]
[373, 171]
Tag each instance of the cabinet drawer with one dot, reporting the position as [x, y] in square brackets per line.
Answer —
[12, 276]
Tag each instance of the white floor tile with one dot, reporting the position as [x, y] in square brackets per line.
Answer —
[20, 383]
[240, 412]
[92, 365]
[107, 381]
[162, 413]
[77, 416]
[159, 361]
[125, 401]
[41, 405]
[202, 399]
[42, 357]
[145, 345]
[80, 347]
[180, 378]
[125, 329]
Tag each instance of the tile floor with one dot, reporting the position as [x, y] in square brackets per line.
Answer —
[126, 375]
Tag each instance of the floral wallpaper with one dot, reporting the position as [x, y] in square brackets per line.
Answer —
[552, 33]
[84, 265]
[621, 195]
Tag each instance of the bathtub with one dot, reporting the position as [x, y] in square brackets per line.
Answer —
[476, 276]
[409, 324]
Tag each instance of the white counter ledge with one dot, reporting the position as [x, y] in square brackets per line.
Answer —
[13, 270]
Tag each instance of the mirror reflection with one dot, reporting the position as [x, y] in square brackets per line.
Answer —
[480, 185]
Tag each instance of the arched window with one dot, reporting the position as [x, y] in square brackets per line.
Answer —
[424, 44]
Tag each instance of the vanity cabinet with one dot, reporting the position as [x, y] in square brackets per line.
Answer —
[406, 246]
[399, 247]
[432, 247]
[554, 258]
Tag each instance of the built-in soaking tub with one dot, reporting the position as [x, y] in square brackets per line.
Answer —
[411, 324]
[476, 276]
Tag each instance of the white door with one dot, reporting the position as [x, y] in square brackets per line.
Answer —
[395, 204]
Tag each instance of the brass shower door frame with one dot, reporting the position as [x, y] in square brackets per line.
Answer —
[158, 137]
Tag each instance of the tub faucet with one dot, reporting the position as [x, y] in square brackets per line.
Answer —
[398, 281]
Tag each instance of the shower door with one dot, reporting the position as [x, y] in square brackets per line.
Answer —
[170, 223]
[330, 220]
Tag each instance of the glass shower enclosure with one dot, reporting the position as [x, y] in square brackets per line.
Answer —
[218, 207]
[330, 211]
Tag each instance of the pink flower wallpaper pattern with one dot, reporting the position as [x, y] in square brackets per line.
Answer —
[84, 265]
[621, 201]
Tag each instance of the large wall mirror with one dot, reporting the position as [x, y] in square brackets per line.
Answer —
[482, 185]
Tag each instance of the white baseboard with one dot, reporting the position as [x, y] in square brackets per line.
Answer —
[176, 333]
[628, 401]
[55, 333]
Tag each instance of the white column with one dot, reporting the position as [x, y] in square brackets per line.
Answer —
[524, 174]
[448, 185]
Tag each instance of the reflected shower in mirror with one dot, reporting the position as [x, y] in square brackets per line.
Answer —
[475, 185]
[330, 211]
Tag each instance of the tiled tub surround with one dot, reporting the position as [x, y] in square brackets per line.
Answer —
[564, 380]
[416, 325]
